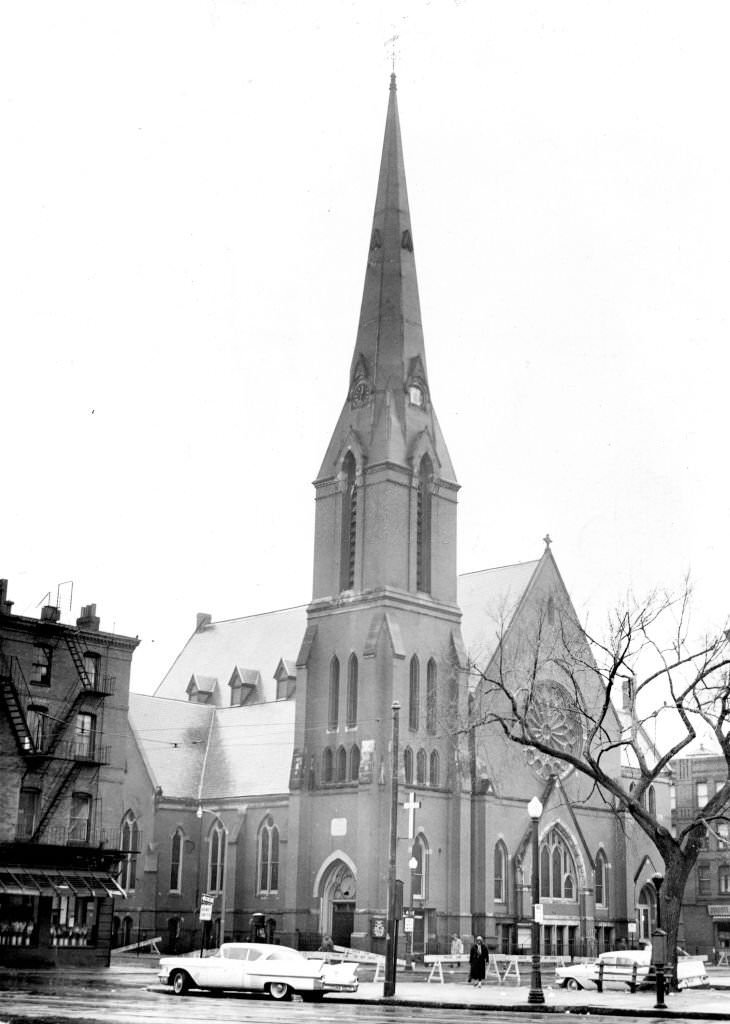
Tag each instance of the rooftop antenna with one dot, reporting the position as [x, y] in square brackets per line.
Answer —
[393, 50]
[66, 583]
[48, 595]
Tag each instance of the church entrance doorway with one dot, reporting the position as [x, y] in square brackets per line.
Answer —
[343, 923]
[337, 892]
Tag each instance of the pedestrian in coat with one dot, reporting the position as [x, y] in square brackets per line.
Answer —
[478, 960]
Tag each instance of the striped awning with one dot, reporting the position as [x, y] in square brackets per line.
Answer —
[49, 882]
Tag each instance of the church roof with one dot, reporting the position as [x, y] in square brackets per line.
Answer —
[258, 642]
[488, 600]
[203, 752]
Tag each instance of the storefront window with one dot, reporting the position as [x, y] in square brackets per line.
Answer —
[18, 915]
[73, 921]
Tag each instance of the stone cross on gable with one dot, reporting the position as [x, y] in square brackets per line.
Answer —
[411, 805]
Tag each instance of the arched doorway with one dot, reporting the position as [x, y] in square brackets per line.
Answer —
[646, 913]
[337, 892]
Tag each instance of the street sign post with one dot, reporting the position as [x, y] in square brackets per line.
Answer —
[206, 907]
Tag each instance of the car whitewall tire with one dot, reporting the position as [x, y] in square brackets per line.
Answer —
[180, 983]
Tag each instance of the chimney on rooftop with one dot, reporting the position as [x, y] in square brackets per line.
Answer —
[202, 621]
[49, 613]
[88, 619]
[6, 606]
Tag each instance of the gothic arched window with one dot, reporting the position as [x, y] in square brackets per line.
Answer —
[434, 769]
[421, 768]
[349, 524]
[423, 526]
[557, 868]
[176, 860]
[431, 677]
[216, 856]
[408, 766]
[341, 764]
[419, 873]
[500, 872]
[333, 716]
[355, 763]
[327, 764]
[268, 856]
[352, 684]
[130, 848]
[601, 889]
[651, 800]
[414, 694]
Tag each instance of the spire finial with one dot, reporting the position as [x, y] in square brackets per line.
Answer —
[548, 540]
[391, 43]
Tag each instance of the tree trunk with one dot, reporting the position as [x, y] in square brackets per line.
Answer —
[678, 866]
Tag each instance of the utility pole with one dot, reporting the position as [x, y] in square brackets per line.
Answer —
[391, 944]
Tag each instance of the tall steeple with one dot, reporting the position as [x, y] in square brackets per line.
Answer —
[390, 335]
[387, 421]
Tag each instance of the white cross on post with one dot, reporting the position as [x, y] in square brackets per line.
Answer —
[411, 805]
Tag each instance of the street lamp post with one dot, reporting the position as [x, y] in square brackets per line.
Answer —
[536, 995]
[659, 944]
[391, 942]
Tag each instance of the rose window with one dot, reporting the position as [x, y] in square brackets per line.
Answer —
[551, 719]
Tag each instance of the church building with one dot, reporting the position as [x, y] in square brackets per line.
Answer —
[259, 773]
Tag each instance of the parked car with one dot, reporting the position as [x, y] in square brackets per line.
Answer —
[258, 967]
[618, 970]
[691, 971]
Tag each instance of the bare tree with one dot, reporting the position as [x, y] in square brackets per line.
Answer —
[574, 699]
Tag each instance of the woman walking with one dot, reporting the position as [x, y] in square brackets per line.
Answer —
[478, 959]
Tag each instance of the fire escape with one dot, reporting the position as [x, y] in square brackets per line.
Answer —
[55, 755]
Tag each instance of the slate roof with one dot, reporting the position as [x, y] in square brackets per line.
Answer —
[256, 642]
[488, 599]
[173, 736]
[202, 752]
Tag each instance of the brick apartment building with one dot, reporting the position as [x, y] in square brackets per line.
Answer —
[706, 907]
[63, 736]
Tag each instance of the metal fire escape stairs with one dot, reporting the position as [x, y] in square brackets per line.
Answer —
[61, 761]
[12, 683]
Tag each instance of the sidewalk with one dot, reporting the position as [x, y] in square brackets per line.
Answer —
[691, 1004]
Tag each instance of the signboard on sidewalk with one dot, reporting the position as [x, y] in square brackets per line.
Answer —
[206, 907]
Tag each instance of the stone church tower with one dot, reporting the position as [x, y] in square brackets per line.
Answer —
[383, 624]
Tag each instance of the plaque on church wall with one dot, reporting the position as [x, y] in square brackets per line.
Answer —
[338, 827]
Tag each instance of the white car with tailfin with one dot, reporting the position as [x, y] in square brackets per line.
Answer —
[278, 971]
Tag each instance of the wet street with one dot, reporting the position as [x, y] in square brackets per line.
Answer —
[84, 1003]
[131, 995]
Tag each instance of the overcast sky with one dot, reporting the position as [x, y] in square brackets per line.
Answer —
[186, 207]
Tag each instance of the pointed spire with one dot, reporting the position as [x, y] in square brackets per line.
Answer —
[388, 405]
[390, 336]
